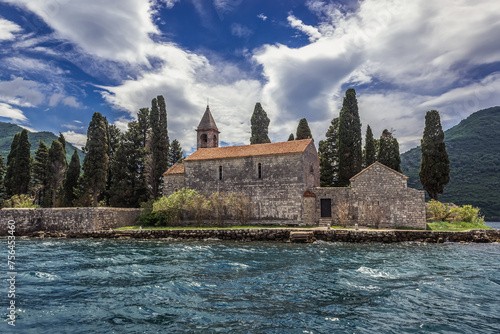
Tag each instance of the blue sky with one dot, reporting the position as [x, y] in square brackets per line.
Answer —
[63, 60]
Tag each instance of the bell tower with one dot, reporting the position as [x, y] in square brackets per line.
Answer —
[208, 134]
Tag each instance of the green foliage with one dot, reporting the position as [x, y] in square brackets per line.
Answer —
[19, 163]
[62, 140]
[259, 124]
[435, 164]
[328, 156]
[57, 169]
[176, 154]
[438, 210]
[8, 131]
[41, 174]
[291, 137]
[21, 201]
[70, 186]
[3, 192]
[388, 153]
[159, 146]
[467, 214]
[456, 226]
[176, 205]
[349, 146]
[95, 164]
[303, 131]
[444, 212]
[370, 152]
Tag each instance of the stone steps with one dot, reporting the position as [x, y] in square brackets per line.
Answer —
[302, 236]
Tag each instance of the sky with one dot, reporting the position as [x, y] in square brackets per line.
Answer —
[63, 60]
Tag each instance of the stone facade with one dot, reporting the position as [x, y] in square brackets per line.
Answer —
[66, 219]
[378, 197]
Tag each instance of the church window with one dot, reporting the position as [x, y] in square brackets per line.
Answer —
[204, 138]
[259, 168]
[220, 173]
[215, 140]
[311, 169]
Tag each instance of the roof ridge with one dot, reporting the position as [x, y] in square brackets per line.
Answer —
[381, 164]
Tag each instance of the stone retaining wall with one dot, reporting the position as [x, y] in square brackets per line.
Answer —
[283, 235]
[66, 219]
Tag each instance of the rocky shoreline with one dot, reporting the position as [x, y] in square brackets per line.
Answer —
[286, 235]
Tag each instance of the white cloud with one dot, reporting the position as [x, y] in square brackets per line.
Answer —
[170, 3]
[72, 126]
[8, 30]
[31, 65]
[14, 114]
[310, 31]
[262, 16]
[118, 31]
[20, 92]
[240, 30]
[77, 139]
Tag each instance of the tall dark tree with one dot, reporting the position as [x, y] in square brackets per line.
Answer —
[70, 185]
[329, 157]
[388, 152]
[3, 193]
[435, 164]
[158, 146]
[114, 136]
[176, 154]
[95, 164]
[350, 150]
[128, 186]
[19, 163]
[57, 168]
[144, 124]
[291, 137]
[370, 153]
[41, 174]
[260, 124]
[303, 131]
[62, 140]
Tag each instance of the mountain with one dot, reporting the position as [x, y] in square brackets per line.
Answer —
[8, 130]
[474, 150]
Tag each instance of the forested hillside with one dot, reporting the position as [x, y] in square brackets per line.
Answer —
[8, 130]
[474, 150]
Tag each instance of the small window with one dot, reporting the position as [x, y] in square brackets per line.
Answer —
[220, 173]
[259, 168]
[204, 138]
[311, 169]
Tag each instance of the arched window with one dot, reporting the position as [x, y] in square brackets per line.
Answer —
[204, 138]
[259, 170]
[215, 141]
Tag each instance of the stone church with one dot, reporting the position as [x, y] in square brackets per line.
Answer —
[282, 182]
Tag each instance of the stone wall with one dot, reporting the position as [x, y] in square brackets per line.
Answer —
[172, 183]
[276, 195]
[66, 219]
[378, 197]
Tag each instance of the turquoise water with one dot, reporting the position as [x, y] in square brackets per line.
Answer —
[105, 286]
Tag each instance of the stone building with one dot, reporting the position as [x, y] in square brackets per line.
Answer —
[282, 182]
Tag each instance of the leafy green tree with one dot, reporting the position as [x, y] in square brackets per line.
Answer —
[128, 184]
[370, 153]
[303, 131]
[290, 138]
[19, 163]
[158, 146]
[328, 156]
[3, 192]
[41, 173]
[260, 124]
[435, 164]
[350, 150]
[95, 164]
[176, 154]
[388, 153]
[70, 185]
[57, 168]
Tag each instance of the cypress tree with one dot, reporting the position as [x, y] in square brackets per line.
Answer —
[370, 155]
[388, 153]
[435, 164]
[328, 156]
[3, 193]
[175, 153]
[144, 125]
[57, 168]
[11, 157]
[41, 173]
[290, 138]
[260, 124]
[350, 151]
[62, 140]
[19, 163]
[114, 135]
[303, 131]
[95, 164]
[70, 185]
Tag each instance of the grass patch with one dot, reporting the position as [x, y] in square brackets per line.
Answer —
[456, 226]
[136, 227]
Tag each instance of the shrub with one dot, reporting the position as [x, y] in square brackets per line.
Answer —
[439, 210]
[20, 201]
[467, 214]
[240, 206]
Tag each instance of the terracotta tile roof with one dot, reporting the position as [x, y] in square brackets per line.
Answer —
[307, 193]
[376, 163]
[287, 147]
[175, 169]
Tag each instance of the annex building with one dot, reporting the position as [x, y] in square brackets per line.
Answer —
[282, 181]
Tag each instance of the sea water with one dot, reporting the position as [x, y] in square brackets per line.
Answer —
[126, 286]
